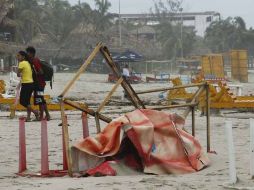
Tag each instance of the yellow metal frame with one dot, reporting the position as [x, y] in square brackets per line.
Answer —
[19, 107]
[223, 99]
[2, 87]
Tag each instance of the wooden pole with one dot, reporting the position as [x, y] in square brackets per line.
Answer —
[208, 118]
[173, 106]
[97, 122]
[134, 94]
[82, 68]
[66, 139]
[85, 125]
[196, 95]
[87, 110]
[130, 93]
[120, 80]
[127, 87]
[193, 120]
[65, 164]
[170, 88]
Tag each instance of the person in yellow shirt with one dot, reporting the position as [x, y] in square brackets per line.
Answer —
[27, 83]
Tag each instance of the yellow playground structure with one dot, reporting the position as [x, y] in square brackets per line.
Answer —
[212, 69]
[216, 67]
[221, 97]
[53, 106]
[2, 87]
[9, 99]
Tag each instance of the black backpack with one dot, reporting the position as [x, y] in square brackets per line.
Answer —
[35, 79]
[48, 71]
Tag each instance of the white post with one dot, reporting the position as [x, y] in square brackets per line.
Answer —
[252, 148]
[240, 91]
[120, 27]
[2, 65]
[231, 152]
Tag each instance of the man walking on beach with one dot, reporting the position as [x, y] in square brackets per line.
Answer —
[39, 89]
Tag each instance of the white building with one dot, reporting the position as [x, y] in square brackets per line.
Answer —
[198, 20]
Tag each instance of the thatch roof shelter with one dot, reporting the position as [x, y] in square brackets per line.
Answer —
[10, 48]
[5, 6]
[80, 41]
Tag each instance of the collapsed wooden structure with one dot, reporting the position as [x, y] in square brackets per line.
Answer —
[133, 97]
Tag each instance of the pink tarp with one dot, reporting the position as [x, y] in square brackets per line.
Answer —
[145, 140]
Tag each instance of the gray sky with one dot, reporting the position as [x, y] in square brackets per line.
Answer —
[243, 8]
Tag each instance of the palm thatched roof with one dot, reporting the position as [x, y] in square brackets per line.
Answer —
[5, 6]
[114, 31]
[80, 41]
[10, 48]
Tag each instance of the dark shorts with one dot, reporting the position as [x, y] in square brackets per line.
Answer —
[39, 96]
[26, 93]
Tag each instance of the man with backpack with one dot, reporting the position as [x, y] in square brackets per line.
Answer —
[40, 83]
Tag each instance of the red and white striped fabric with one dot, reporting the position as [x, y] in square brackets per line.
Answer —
[162, 147]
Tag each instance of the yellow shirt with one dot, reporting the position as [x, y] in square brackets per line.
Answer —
[26, 72]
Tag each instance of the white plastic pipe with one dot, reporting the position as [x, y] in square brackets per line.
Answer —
[2, 65]
[252, 148]
[231, 152]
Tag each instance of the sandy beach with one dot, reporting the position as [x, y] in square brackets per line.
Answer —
[92, 88]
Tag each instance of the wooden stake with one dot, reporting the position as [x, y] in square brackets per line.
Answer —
[65, 164]
[105, 101]
[170, 88]
[66, 139]
[196, 95]
[82, 68]
[208, 118]
[85, 125]
[132, 94]
[193, 120]
[97, 121]
[87, 110]
[127, 87]
[173, 106]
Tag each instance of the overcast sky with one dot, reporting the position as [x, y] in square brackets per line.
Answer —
[243, 8]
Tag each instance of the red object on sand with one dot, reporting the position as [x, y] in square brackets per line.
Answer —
[45, 172]
[102, 170]
[161, 144]
[22, 145]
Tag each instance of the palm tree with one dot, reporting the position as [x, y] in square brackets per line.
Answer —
[57, 19]
[27, 20]
[102, 17]
[83, 13]
[228, 34]
[168, 32]
[5, 6]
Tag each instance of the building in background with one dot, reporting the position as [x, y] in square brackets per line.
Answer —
[200, 21]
